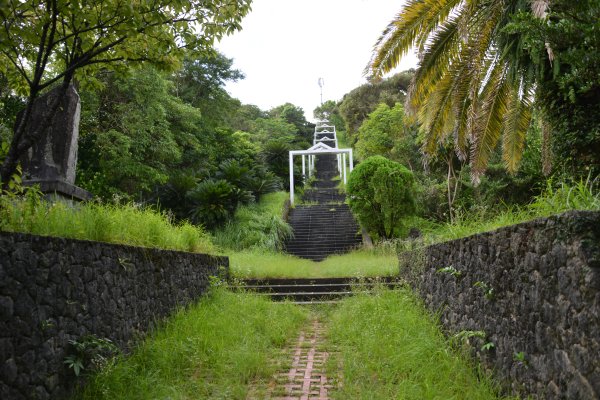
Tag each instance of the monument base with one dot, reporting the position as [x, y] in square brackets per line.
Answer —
[60, 190]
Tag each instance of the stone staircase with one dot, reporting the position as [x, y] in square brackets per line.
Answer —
[325, 225]
[313, 291]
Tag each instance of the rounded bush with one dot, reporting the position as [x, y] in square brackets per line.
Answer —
[381, 195]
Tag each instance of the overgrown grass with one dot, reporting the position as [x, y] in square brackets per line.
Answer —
[389, 348]
[211, 351]
[582, 195]
[358, 263]
[256, 226]
[114, 223]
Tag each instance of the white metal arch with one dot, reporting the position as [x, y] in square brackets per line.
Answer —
[319, 148]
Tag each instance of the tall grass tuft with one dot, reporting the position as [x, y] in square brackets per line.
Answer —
[212, 350]
[128, 224]
[256, 226]
[580, 195]
[390, 348]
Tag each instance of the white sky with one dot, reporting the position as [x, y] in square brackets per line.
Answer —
[285, 46]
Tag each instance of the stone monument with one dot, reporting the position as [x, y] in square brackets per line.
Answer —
[51, 161]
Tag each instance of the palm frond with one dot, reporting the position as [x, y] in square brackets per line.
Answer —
[437, 57]
[516, 124]
[435, 114]
[460, 132]
[489, 122]
[411, 26]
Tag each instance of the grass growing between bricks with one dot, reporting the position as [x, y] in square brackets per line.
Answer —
[387, 347]
[212, 350]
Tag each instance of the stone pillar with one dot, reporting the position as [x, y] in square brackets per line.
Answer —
[51, 161]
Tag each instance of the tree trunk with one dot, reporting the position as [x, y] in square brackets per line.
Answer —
[453, 183]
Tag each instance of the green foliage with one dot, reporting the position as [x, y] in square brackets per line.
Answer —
[294, 115]
[200, 83]
[212, 350]
[386, 133]
[275, 154]
[90, 353]
[381, 196]
[487, 290]
[361, 194]
[520, 358]
[14, 186]
[545, 55]
[569, 84]
[127, 145]
[44, 43]
[414, 361]
[377, 133]
[555, 198]
[212, 202]
[356, 105]
[262, 183]
[244, 117]
[329, 111]
[273, 129]
[124, 224]
[450, 270]
[256, 226]
[138, 140]
[55, 42]
[580, 195]
[10, 105]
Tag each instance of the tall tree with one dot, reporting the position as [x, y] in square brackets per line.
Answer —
[201, 82]
[294, 115]
[127, 142]
[471, 84]
[356, 105]
[386, 133]
[46, 42]
[329, 111]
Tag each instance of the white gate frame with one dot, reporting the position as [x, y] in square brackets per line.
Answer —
[319, 148]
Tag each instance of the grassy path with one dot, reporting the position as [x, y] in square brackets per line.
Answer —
[303, 375]
[389, 348]
[212, 350]
[242, 346]
[381, 346]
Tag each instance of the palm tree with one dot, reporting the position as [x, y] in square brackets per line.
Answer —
[472, 86]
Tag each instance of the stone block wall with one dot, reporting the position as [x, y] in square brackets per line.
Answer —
[53, 290]
[534, 289]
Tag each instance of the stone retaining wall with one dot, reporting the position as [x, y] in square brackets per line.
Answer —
[53, 290]
[534, 289]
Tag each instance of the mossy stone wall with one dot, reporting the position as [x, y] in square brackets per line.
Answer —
[53, 290]
[534, 289]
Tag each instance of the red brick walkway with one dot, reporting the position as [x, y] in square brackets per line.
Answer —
[306, 379]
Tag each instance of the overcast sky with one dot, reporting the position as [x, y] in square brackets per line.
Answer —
[285, 46]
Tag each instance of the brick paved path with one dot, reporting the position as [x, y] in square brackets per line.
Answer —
[305, 379]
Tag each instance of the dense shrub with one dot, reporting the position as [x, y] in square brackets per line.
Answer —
[256, 226]
[381, 195]
[213, 201]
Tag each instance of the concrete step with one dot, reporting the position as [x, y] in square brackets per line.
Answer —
[313, 291]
